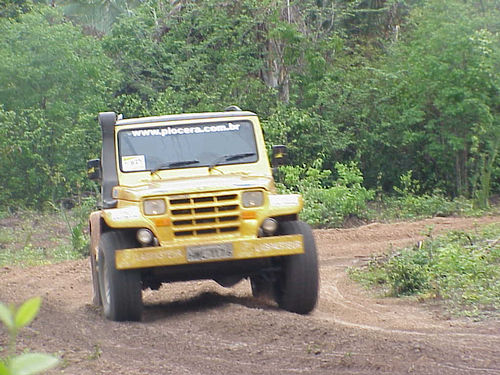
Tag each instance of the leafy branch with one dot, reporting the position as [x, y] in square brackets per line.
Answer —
[14, 320]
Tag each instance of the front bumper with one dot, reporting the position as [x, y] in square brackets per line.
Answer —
[245, 248]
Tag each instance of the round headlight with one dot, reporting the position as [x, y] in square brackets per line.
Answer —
[145, 236]
[252, 198]
[154, 207]
[269, 226]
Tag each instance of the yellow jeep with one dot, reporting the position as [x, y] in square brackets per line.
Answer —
[192, 196]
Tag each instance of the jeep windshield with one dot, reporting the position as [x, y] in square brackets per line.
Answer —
[186, 146]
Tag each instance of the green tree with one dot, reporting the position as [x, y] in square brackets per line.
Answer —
[448, 90]
[53, 81]
[203, 57]
[98, 15]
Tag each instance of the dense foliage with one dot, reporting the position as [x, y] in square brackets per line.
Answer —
[390, 85]
[327, 205]
[53, 81]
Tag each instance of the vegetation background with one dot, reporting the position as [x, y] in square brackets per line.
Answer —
[386, 106]
[372, 97]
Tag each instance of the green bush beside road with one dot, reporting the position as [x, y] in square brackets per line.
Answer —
[461, 268]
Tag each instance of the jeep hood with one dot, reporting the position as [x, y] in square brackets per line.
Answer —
[192, 185]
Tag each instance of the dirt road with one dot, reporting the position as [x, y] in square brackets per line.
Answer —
[202, 328]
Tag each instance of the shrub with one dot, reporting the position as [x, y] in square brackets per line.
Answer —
[77, 222]
[327, 205]
[462, 268]
[408, 204]
[466, 271]
[408, 273]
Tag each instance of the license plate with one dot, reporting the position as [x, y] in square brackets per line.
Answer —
[209, 252]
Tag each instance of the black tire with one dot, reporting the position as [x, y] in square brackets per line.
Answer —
[121, 290]
[96, 293]
[298, 282]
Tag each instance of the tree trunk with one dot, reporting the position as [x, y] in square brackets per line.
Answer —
[275, 74]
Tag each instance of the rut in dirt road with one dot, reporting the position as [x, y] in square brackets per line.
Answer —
[202, 328]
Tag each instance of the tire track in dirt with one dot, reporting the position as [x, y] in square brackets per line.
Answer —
[344, 303]
[201, 328]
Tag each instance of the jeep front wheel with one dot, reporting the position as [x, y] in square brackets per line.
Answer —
[298, 282]
[121, 291]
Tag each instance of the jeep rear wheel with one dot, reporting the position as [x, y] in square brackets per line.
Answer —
[298, 282]
[121, 291]
[96, 293]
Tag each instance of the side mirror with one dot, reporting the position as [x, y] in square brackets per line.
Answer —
[94, 169]
[279, 156]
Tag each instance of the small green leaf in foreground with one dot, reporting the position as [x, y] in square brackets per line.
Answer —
[32, 363]
[6, 318]
[3, 369]
[27, 312]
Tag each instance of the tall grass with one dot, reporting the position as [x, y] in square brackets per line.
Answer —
[30, 238]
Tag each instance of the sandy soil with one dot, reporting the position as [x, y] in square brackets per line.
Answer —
[202, 328]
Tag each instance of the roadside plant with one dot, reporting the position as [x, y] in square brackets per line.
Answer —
[410, 203]
[77, 221]
[14, 320]
[460, 268]
[325, 203]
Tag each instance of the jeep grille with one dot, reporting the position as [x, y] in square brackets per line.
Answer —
[205, 214]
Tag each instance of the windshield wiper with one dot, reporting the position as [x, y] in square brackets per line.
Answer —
[229, 157]
[174, 164]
